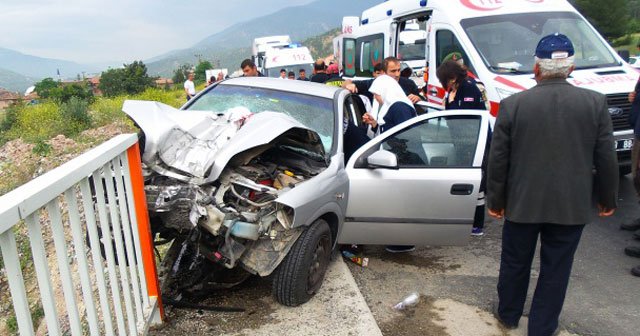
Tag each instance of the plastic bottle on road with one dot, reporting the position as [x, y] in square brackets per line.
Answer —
[408, 301]
[364, 262]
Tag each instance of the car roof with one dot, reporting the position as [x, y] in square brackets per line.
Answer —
[295, 86]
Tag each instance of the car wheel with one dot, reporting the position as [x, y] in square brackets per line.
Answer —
[624, 170]
[300, 274]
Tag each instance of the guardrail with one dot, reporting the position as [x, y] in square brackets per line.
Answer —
[92, 207]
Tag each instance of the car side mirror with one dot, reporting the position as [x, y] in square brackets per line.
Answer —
[382, 159]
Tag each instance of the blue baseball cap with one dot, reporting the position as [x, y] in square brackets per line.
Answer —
[554, 46]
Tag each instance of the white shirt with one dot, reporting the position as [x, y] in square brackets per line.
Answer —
[190, 87]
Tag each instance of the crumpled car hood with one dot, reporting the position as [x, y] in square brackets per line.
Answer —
[201, 143]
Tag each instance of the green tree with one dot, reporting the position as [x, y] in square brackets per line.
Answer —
[180, 74]
[112, 82]
[45, 86]
[611, 17]
[131, 79]
[200, 72]
[64, 93]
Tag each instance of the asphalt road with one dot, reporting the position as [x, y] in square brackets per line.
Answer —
[603, 297]
[457, 287]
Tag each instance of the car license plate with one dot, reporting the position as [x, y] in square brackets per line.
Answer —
[624, 144]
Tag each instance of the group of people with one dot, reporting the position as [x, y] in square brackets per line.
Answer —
[302, 75]
[538, 200]
[190, 86]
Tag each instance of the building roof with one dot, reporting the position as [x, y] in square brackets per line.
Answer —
[8, 95]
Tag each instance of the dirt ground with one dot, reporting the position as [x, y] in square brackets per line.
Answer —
[254, 295]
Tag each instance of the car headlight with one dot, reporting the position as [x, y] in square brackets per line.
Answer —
[502, 93]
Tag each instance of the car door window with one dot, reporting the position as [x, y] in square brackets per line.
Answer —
[444, 142]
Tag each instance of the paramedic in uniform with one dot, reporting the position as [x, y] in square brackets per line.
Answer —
[463, 94]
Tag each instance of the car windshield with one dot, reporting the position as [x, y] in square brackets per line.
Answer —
[507, 43]
[314, 112]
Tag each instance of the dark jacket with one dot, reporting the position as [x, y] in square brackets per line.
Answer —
[468, 97]
[398, 113]
[546, 143]
[320, 77]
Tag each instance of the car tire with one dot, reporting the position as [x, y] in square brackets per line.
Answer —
[299, 276]
[624, 170]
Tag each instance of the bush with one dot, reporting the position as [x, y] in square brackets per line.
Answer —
[105, 111]
[75, 114]
[37, 122]
[8, 121]
[42, 148]
[173, 98]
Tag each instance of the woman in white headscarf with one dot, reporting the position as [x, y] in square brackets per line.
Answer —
[394, 105]
[395, 108]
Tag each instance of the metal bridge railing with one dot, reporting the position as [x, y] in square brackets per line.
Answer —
[89, 236]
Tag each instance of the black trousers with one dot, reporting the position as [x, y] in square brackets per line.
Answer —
[558, 246]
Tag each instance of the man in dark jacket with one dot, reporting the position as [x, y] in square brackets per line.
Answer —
[391, 67]
[319, 72]
[634, 119]
[249, 69]
[546, 143]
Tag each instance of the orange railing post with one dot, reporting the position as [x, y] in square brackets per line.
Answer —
[144, 228]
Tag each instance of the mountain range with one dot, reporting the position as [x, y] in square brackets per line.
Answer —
[224, 49]
[229, 47]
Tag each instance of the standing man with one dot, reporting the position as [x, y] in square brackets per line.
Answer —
[249, 69]
[634, 119]
[319, 72]
[189, 86]
[283, 74]
[546, 143]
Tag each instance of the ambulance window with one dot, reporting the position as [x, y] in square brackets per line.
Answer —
[371, 51]
[448, 47]
[411, 40]
[349, 55]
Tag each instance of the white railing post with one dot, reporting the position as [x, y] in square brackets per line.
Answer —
[123, 232]
[9, 251]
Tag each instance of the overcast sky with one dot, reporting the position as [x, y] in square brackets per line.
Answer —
[98, 31]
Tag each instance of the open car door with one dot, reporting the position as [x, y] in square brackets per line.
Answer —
[417, 183]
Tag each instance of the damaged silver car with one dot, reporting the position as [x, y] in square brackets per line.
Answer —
[259, 176]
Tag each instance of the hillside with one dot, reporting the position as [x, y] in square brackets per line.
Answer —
[40, 67]
[14, 81]
[233, 44]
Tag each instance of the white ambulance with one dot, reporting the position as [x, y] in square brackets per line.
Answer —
[291, 58]
[264, 43]
[497, 40]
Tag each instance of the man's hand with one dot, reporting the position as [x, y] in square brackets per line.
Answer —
[348, 84]
[414, 98]
[497, 214]
[632, 96]
[605, 212]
